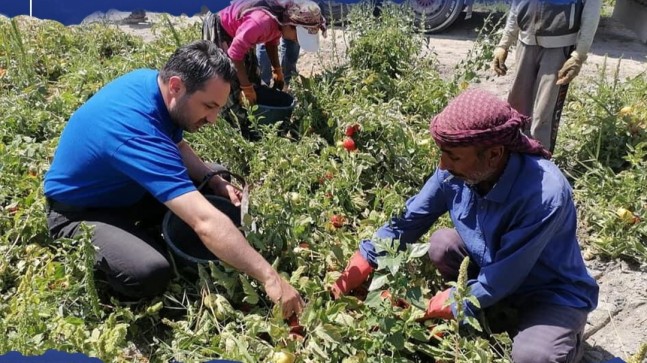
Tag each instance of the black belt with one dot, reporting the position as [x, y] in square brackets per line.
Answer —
[62, 207]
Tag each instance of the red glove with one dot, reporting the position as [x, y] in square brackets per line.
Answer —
[438, 306]
[357, 271]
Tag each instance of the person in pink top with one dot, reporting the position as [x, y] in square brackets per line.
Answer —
[241, 26]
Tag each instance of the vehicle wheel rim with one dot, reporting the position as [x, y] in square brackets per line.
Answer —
[429, 7]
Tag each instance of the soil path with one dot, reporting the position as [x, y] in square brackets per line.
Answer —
[614, 46]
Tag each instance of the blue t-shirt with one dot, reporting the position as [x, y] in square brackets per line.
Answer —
[522, 234]
[119, 145]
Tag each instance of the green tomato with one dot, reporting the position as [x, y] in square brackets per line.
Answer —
[219, 305]
[282, 357]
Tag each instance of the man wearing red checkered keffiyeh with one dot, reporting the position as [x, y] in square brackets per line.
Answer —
[479, 118]
[514, 219]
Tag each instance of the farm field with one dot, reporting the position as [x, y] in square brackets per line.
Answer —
[302, 181]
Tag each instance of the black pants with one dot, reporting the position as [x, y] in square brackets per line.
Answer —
[130, 250]
[234, 112]
[129, 253]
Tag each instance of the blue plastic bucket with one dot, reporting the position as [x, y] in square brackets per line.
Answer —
[187, 248]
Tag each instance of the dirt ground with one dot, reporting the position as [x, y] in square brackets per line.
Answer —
[619, 325]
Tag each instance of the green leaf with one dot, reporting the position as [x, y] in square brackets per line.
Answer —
[473, 322]
[251, 297]
[304, 220]
[380, 245]
[344, 320]
[418, 335]
[294, 279]
[417, 250]
[329, 333]
[415, 297]
[390, 262]
[202, 272]
[474, 301]
[222, 278]
[397, 340]
[394, 266]
[388, 324]
[338, 253]
[74, 320]
[373, 299]
[317, 349]
[378, 282]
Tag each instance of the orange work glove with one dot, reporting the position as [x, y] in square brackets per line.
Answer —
[277, 77]
[357, 271]
[248, 93]
[439, 307]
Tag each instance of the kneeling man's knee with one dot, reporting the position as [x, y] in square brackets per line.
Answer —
[144, 280]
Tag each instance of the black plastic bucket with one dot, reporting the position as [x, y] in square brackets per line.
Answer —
[273, 105]
[187, 248]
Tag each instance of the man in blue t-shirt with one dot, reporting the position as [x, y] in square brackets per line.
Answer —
[122, 153]
[513, 215]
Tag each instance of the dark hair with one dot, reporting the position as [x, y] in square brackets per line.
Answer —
[198, 62]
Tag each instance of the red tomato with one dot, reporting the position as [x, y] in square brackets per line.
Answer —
[349, 144]
[351, 130]
[337, 220]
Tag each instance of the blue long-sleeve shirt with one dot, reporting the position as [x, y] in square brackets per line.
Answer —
[521, 234]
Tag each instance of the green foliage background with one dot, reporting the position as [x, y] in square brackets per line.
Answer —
[48, 299]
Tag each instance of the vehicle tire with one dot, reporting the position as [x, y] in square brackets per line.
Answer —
[436, 15]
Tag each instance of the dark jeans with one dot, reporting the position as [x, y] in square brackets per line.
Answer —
[289, 56]
[130, 250]
[129, 253]
[540, 332]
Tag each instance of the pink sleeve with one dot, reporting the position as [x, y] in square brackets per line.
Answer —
[254, 30]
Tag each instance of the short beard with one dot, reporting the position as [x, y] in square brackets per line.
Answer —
[479, 177]
[178, 114]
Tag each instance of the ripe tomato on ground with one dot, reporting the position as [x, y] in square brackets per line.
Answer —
[337, 220]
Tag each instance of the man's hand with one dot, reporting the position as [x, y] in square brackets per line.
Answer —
[498, 63]
[281, 292]
[277, 77]
[570, 69]
[223, 188]
[248, 93]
